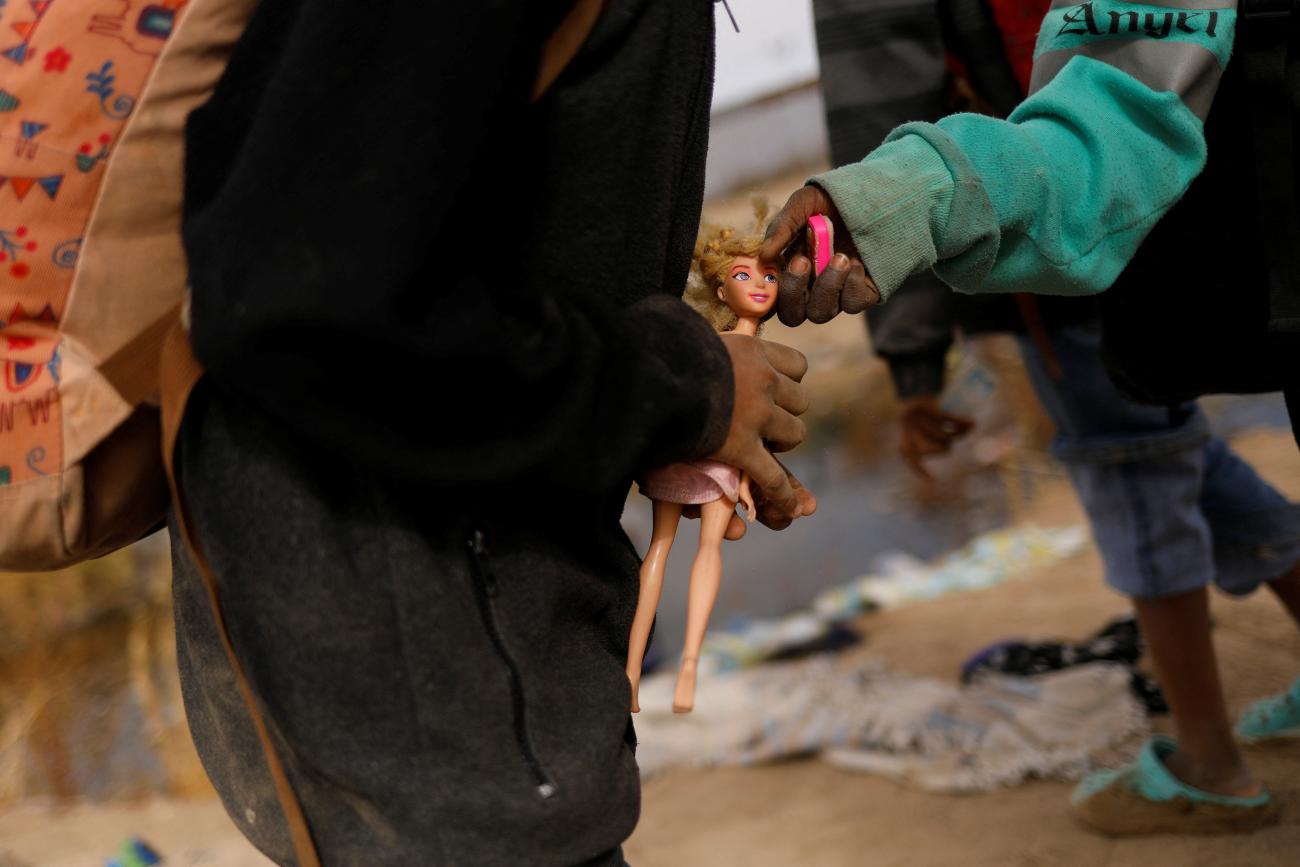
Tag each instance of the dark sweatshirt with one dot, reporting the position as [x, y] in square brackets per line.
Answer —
[397, 256]
[444, 331]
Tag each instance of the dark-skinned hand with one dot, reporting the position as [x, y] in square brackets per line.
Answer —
[926, 429]
[843, 287]
[764, 419]
[772, 518]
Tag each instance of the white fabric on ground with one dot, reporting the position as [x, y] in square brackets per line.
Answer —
[925, 732]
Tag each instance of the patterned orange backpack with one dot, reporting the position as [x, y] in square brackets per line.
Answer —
[94, 95]
[93, 100]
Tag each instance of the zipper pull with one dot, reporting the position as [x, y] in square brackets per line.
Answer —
[477, 545]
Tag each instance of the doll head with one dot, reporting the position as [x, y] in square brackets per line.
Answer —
[727, 280]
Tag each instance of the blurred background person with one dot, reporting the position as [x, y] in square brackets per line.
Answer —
[1172, 508]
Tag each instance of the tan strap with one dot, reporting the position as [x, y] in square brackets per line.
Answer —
[564, 42]
[180, 372]
[133, 369]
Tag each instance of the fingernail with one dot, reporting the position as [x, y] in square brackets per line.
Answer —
[840, 262]
[799, 266]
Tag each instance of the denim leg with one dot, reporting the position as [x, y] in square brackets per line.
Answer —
[1138, 469]
[1256, 530]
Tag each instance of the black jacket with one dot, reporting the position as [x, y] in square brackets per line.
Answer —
[398, 257]
[444, 331]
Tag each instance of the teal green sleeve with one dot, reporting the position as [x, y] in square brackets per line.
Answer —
[1053, 200]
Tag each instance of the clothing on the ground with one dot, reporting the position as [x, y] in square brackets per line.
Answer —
[1119, 642]
[443, 332]
[1172, 508]
[932, 734]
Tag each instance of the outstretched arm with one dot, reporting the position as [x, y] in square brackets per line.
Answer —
[1057, 197]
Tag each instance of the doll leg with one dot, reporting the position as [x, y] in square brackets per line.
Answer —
[666, 516]
[706, 576]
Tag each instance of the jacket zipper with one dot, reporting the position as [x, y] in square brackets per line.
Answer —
[486, 586]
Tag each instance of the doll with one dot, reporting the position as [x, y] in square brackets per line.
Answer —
[736, 293]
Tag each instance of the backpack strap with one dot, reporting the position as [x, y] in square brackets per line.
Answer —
[134, 369]
[180, 372]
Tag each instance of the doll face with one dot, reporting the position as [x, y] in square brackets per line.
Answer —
[749, 289]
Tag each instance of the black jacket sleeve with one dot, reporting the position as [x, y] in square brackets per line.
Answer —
[912, 332]
[359, 195]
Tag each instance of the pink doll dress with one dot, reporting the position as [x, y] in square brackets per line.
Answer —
[692, 482]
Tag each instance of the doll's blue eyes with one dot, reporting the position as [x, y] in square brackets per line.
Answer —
[770, 278]
[740, 275]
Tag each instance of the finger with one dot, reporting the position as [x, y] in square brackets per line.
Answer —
[783, 431]
[791, 396]
[792, 291]
[935, 419]
[956, 425]
[922, 442]
[932, 428]
[773, 520]
[929, 445]
[776, 520]
[790, 221]
[807, 502]
[913, 461]
[824, 299]
[736, 529]
[774, 482]
[859, 290]
[786, 360]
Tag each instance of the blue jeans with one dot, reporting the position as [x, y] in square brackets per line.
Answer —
[1172, 507]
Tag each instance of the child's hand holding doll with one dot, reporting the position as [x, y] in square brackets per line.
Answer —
[736, 292]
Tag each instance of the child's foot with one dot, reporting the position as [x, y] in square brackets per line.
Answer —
[1277, 716]
[1232, 779]
[684, 695]
[1145, 798]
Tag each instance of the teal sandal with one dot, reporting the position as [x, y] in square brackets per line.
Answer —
[1145, 798]
[1277, 716]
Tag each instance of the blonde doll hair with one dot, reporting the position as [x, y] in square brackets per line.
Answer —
[715, 250]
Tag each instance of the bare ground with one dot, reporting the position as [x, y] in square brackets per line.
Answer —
[805, 813]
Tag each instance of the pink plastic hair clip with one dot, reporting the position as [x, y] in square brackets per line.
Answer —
[821, 242]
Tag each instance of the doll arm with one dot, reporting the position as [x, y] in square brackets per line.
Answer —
[746, 499]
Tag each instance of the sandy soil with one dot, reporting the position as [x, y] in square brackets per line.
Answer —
[805, 813]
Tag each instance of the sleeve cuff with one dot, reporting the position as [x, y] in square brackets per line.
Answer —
[894, 203]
